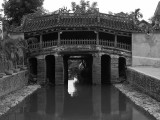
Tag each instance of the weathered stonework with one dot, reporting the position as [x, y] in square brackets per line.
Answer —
[146, 49]
[13, 82]
[114, 68]
[11, 100]
[141, 99]
[41, 69]
[96, 69]
[59, 79]
[146, 83]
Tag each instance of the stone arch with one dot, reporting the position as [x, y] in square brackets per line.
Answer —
[50, 68]
[122, 67]
[33, 66]
[105, 69]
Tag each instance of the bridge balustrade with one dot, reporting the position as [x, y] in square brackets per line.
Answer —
[78, 42]
[104, 43]
[33, 46]
[49, 44]
[124, 46]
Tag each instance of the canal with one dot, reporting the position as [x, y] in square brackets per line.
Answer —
[77, 102]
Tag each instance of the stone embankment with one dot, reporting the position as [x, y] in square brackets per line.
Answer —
[144, 101]
[12, 99]
[143, 88]
[146, 79]
[14, 89]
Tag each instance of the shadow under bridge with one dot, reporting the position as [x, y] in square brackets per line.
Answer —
[78, 66]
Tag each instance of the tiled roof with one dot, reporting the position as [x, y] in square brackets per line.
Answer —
[71, 20]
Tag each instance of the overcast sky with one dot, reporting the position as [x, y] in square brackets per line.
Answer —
[147, 6]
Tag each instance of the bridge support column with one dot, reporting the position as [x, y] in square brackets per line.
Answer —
[41, 69]
[96, 69]
[59, 70]
[114, 68]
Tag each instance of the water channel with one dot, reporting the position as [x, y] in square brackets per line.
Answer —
[77, 102]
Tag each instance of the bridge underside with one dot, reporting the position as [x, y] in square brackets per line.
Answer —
[99, 68]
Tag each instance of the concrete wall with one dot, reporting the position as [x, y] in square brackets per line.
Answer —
[146, 49]
[13, 82]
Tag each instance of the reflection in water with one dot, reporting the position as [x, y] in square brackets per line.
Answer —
[89, 103]
[71, 87]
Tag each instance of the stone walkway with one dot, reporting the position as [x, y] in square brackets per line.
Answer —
[148, 70]
[144, 101]
[11, 100]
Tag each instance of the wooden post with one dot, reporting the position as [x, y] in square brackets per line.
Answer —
[97, 37]
[115, 41]
[59, 38]
[41, 41]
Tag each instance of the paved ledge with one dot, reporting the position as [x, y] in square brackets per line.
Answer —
[142, 100]
[148, 70]
[11, 100]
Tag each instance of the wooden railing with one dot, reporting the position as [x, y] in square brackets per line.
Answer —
[104, 43]
[49, 44]
[78, 42]
[123, 46]
[34, 46]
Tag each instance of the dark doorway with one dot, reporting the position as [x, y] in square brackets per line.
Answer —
[50, 68]
[78, 66]
[122, 67]
[33, 66]
[65, 63]
[105, 69]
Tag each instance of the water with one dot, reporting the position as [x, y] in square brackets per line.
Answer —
[77, 102]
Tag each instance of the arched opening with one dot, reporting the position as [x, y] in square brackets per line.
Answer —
[122, 67]
[65, 63]
[50, 68]
[33, 66]
[105, 69]
[80, 66]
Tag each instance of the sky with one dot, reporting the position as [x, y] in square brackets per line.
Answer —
[147, 7]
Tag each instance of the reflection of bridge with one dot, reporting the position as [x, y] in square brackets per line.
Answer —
[53, 39]
[99, 102]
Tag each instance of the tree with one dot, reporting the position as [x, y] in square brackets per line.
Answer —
[15, 9]
[84, 7]
[135, 15]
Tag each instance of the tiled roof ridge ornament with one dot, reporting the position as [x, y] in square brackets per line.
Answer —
[34, 22]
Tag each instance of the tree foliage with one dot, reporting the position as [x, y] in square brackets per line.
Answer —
[135, 15]
[15, 9]
[84, 7]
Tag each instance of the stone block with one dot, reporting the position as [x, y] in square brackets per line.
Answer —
[96, 70]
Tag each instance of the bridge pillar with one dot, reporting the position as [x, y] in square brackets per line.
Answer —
[114, 68]
[96, 69]
[59, 70]
[41, 69]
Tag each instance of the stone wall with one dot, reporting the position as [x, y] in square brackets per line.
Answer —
[13, 82]
[146, 49]
[146, 83]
